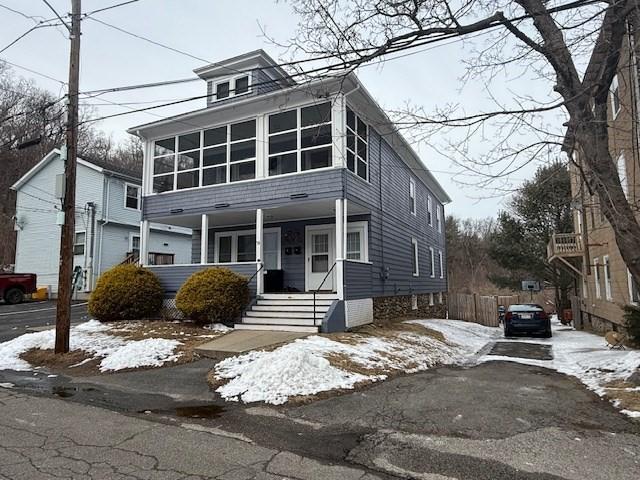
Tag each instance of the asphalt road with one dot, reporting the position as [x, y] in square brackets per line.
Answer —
[15, 319]
[493, 421]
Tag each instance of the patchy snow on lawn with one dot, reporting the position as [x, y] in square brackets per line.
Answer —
[304, 367]
[583, 355]
[467, 336]
[91, 337]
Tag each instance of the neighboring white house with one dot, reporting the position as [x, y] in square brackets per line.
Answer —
[108, 213]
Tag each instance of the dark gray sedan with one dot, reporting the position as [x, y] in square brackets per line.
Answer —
[527, 318]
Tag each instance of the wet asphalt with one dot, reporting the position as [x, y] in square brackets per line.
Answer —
[15, 320]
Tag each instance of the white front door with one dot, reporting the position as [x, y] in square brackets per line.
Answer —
[320, 253]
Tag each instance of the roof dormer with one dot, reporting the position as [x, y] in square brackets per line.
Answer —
[252, 73]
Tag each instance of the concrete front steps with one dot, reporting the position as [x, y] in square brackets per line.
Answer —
[287, 312]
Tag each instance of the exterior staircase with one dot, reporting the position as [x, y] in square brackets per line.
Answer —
[287, 312]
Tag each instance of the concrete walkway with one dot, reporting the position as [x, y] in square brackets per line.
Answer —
[244, 340]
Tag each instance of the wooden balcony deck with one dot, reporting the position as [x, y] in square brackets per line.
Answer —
[565, 245]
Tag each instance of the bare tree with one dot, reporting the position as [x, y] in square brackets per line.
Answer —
[573, 45]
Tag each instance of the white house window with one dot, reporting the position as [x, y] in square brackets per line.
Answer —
[208, 157]
[300, 139]
[596, 277]
[433, 262]
[414, 258]
[357, 141]
[607, 277]
[357, 241]
[441, 263]
[634, 293]
[622, 174]
[439, 218]
[79, 243]
[134, 244]
[615, 96]
[241, 85]
[132, 196]
[412, 195]
[429, 211]
[232, 87]
[222, 90]
[240, 246]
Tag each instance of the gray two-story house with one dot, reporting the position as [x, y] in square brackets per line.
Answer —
[306, 188]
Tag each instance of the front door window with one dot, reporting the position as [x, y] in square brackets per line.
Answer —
[320, 259]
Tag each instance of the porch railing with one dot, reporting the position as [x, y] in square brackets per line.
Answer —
[315, 292]
[258, 270]
[565, 245]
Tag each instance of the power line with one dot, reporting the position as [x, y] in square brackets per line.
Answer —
[122, 4]
[20, 37]
[35, 72]
[55, 12]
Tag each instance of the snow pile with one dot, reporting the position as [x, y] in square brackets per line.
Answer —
[117, 353]
[302, 368]
[218, 327]
[467, 336]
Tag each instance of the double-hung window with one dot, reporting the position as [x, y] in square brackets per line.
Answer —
[433, 262]
[300, 139]
[209, 157]
[439, 218]
[441, 263]
[429, 211]
[231, 88]
[596, 277]
[132, 196]
[412, 196]
[634, 292]
[79, 243]
[607, 277]
[357, 241]
[615, 96]
[357, 141]
[415, 268]
[622, 174]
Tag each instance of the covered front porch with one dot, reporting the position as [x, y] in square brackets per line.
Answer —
[296, 248]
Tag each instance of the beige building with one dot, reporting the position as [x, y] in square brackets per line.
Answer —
[603, 282]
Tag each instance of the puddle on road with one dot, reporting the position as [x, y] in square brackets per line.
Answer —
[534, 351]
[66, 392]
[191, 411]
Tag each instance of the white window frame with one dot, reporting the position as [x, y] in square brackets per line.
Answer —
[596, 277]
[201, 168]
[630, 285]
[232, 87]
[614, 95]
[607, 278]
[440, 260]
[299, 148]
[439, 218]
[234, 245]
[433, 262]
[416, 256]
[429, 211]
[356, 136]
[139, 197]
[621, 165]
[413, 204]
[131, 237]
[363, 229]
[84, 244]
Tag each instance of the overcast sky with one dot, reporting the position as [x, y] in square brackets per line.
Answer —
[215, 30]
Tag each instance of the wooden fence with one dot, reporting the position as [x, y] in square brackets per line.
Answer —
[482, 309]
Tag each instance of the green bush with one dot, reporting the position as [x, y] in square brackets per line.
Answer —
[126, 292]
[632, 322]
[213, 295]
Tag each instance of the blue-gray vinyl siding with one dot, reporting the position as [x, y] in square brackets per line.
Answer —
[265, 193]
[173, 276]
[391, 227]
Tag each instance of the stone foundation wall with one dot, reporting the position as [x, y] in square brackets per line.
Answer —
[599, 325]
[399, 307]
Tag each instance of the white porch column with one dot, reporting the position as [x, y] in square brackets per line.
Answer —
[144, 242]
[340, 248]
[204, 239]
[259, 250]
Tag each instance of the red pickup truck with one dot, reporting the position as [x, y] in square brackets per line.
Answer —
[14, 286]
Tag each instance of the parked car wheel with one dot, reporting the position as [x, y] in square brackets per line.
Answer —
[507, 332]
[547, 334]
[13, 296]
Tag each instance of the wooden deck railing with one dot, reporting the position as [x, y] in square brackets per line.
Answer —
[565, 245]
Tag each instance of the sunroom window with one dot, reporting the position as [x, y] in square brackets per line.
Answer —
[218, 155]
[357, 142]
[300, 139]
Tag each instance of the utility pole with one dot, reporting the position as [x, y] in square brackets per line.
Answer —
[63, 308]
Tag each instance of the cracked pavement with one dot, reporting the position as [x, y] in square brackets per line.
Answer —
[493, 421]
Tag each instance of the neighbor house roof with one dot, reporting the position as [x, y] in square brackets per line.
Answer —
[101, 166]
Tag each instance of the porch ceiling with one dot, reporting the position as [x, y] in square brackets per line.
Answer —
[294, 211]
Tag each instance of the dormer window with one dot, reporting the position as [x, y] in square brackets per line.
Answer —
[233, 87]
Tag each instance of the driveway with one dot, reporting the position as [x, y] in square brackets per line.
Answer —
[15, 319]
